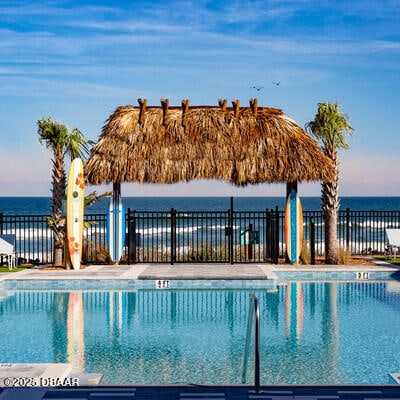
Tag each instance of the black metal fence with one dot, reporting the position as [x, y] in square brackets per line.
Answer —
[203, 236]
[199, 236]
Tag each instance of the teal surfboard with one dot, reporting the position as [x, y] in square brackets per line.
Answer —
[115, 228]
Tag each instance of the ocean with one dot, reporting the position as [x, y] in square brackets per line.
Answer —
[41, 205]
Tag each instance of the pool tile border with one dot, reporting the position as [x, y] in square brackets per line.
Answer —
[337, 275]
[128, 285]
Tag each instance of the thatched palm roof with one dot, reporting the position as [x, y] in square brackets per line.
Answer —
[239, 145]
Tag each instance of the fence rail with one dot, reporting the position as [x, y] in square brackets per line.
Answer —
[202, 236]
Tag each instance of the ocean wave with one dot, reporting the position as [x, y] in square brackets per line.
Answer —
[378, 224]
[373, 224]
[30, 233]
[181, 229]
[355, 247]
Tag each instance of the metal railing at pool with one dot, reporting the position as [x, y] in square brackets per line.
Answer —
[254, 313]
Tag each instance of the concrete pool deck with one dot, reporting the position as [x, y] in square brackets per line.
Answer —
[188, 271]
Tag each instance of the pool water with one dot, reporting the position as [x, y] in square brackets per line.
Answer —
[324, 332]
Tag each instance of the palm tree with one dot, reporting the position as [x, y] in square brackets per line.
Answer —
[330, 127]
[61, 141]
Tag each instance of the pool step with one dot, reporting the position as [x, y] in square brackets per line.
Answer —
[213, 392]
[86, 378]
[91, 394]
[202, 395]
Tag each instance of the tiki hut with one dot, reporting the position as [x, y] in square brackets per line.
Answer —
[240, 145]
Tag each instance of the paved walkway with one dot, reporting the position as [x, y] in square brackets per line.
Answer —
[187, 271]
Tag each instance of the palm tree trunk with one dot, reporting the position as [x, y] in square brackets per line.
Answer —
[58, 254]
[331, 247]
[59, 185]
[330, 209]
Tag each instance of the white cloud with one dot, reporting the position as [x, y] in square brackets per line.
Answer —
[40, 87]
[53, 9]
[171, 29]
[201, 49]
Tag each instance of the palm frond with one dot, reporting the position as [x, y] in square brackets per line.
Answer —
[330, 126]
[93, 197]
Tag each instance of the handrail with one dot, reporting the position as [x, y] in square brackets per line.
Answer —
[254, 311]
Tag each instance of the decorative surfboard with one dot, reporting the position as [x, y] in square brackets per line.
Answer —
[293, 227]
[75, 207]
[115, 227]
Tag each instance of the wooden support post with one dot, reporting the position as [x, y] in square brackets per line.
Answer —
[236, 109]
[116, 189]
[142, 105]
[185, 109]
[164, 104]
[222, 104]
[289, 187]
[254, 106]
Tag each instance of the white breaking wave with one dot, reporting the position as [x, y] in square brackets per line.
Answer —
[185, 229]
[359, 247]
[30, 233]
[379, 224]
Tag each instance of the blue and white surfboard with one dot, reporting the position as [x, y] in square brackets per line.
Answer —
[115, 227]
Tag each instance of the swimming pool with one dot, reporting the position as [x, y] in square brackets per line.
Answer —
[311, 332]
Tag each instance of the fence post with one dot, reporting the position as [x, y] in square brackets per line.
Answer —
[230, 222]
[277, 225]
[229, 234]
[128, 237]
[132, 243]
[249, 244]
[173, 236]
[312, 240]
[269, 245]
[1, 232]
[347, 228]
[266, 234]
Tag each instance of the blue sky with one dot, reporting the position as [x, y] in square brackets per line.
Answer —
[76, 61]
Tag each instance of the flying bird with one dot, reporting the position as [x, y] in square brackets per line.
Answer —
[258, 88]
[277, 83]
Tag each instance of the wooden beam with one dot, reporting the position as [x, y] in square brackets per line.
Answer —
[116, 190]
[236, 109]
[164, 105]
[289, 187]
[222, 104]
[254, 106]
[185, 109]
[142, 105]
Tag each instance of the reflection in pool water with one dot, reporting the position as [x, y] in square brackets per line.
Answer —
[75, 332]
